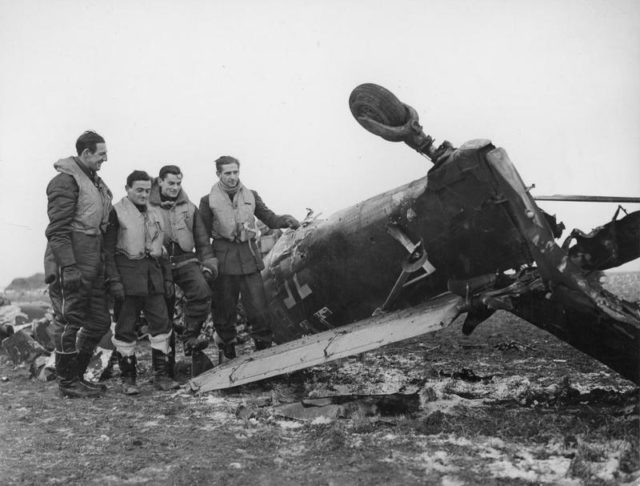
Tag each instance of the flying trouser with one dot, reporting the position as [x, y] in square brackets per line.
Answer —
[188, 276]
[226, 290]
[81, 318]
[155, 312]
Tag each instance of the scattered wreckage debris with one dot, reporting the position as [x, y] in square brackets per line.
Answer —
[6, 330]
[29, 344]
[43, 367]
[40, 332]
[10, 316]
[22, 348]
[351, 406]
[469, 227]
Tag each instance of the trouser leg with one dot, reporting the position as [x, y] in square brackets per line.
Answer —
[155, 311]
[124, 340]
[97, 319]
[254, 300]
[125, 330]
[97, 323]
[226, 291]
[170, 303]
[69, 312]
[224, 309]
[197, 304]
[197, 297]
[81, 317]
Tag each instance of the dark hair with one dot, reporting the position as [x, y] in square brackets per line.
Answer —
[224, 160]
[88, 140]
[169, 169]
[137, 175]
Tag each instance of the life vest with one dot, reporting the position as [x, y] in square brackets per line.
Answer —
[233, 220]
[94, 199]
[140, 233]
[177, 219]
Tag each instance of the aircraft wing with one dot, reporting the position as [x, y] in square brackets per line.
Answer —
[316, 349]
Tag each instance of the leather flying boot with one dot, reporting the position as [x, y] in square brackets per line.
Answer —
[200, 363]
[128, 374]
[83, 363]
[171, 357]
[69, 383]
[226, 350]
[192, 338]
[260, 345]
[161, 378]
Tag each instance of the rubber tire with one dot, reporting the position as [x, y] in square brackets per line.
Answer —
[377, 103]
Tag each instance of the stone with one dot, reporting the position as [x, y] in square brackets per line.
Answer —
[22, 348]
[40, 329]
[43, 368]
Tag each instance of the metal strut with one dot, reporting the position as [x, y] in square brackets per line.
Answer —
[416, 260]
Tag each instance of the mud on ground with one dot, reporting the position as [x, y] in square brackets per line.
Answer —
[509, 404]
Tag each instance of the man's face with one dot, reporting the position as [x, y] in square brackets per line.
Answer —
[94, 161]
[229, 174]
[170, 186]
[138, 193]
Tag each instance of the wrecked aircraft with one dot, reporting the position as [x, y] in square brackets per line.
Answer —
[466, 238]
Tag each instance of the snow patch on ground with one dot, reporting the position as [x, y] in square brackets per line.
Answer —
[438, 461]
[215, 401]
[551, 471]
[500, 460]
[321, 420]
[289, 424]
[451, 481]
[587, 382]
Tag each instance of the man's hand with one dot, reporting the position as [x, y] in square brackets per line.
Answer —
[71, 278]
[116, 289]
[169, 289]
[210, 269]
[291, 222]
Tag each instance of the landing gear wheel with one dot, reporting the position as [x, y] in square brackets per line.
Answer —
[377, 103]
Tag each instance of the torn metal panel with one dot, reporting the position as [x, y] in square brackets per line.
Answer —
[607, 246]
[331, 345]
[573, 318]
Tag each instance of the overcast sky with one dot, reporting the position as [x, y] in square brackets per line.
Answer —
[556, 83]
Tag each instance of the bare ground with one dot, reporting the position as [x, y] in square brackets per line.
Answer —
[509, 404]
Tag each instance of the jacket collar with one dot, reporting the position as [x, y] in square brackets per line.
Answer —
[89, 173]
[156, 200]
